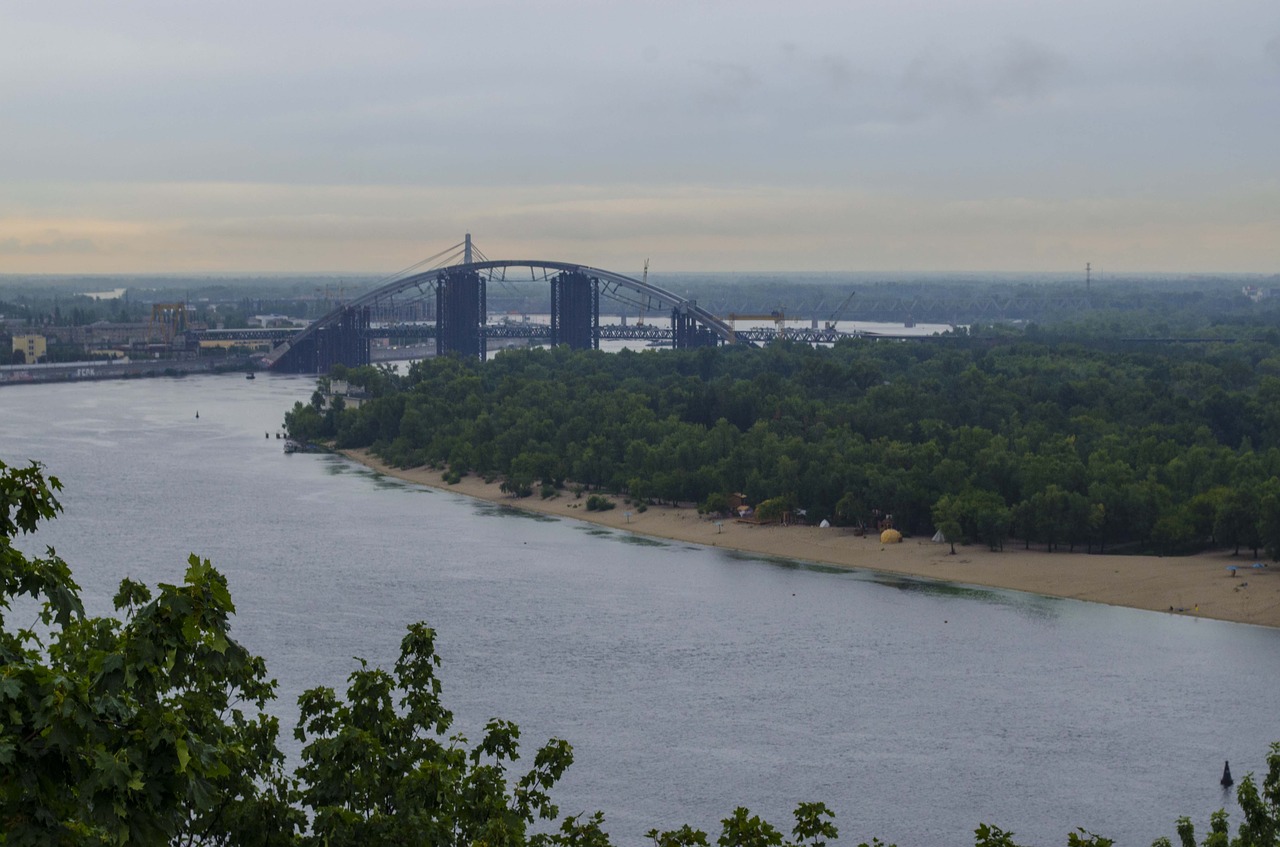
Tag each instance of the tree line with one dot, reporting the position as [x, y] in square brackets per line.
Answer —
[1026, 436]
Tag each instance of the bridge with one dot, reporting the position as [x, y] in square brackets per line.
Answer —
[448, 304]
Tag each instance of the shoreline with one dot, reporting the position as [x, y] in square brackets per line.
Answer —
[1199, 586]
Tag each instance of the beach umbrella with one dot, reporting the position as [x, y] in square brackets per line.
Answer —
[1232, 568]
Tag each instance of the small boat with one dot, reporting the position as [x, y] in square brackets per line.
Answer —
[250, 375]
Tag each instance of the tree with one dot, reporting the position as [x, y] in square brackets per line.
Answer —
[1236, 521]
[1268, 526]
[775, 508]
[375, 773]
[133, 731]
[743, 829]
[130, 730]
[1260, 808]
[850, 509]
[946, 517]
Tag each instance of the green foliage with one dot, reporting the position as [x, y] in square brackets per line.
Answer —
[774, 509]
[992, 836]
[1064, 444]
[1260, 808]
[129, 730]
[716, 503]
[377, 767]
[1083, 838]
[743, 829]
[596, 503]
[516, 487]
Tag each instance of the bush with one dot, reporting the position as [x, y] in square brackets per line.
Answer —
[596, 503]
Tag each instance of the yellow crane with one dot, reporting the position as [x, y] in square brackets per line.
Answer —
[168, 321]
[778, 316]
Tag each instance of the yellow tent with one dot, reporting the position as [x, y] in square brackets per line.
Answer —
[890, 536]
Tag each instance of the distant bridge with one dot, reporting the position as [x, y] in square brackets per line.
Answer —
[459, 325]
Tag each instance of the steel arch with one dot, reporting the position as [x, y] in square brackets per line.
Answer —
[615, 286]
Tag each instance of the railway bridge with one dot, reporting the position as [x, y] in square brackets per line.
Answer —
[449, 304]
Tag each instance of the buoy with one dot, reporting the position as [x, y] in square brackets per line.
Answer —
[1227, 781]
[197, 413]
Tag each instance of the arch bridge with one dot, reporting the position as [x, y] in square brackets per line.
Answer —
[449, 303]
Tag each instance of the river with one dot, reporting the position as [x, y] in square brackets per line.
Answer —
[690, 680]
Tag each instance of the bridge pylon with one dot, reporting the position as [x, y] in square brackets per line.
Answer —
[460, 313]
[575, 310]
[345, 342]
[687, 331]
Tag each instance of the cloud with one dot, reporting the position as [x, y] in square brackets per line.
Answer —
[49, 244]
[727, 84]
[718, 128]
[1024, 70]
[1019, 71]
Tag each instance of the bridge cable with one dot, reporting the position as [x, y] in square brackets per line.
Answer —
[448, 252]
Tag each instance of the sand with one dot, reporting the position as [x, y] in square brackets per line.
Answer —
[1197, 586]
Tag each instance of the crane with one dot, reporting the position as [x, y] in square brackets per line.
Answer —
[835, 316]
[778, 316]
[645, 280]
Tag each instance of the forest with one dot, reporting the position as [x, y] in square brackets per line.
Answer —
[1056, 438]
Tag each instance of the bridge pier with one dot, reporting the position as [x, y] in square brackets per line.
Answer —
[460, 313]
[687, 332]
[345, 342]
[575, 311]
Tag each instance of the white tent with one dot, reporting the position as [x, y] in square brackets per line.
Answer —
[939, 538]
[825, 523]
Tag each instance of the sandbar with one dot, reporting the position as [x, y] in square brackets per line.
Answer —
[1202, 585]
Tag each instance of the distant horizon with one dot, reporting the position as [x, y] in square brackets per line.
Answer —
[916, 135]
[1098, 275]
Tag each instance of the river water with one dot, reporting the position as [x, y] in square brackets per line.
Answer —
[690, 680]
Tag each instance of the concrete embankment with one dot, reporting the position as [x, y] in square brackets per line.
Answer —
[79, 371]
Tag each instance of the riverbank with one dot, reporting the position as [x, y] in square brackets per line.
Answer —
[100, 369]
[1198, 586]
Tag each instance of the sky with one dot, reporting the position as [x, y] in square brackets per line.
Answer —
[703, 135]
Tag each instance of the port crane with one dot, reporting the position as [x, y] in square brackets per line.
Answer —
[778, 316]
[835, 316]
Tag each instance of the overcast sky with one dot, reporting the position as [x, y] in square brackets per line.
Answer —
[929, 135]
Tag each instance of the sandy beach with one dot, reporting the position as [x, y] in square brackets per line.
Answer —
[1198, 586]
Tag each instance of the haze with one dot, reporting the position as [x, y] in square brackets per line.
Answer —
[144, 137]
